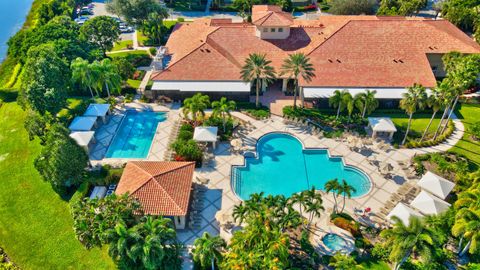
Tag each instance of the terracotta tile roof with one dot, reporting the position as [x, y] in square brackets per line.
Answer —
[366, 48]
[162, 187]
[265, 15]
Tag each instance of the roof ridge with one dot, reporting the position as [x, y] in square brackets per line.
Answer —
[140, 168]
[223, 52]
[164, 191]
[267, 15]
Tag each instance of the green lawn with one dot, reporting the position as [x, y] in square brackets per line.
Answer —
[134, 83]
[122, 45]
[125, 54]
[375, 265]
[187, 5]
[35, 223]
[469, 114]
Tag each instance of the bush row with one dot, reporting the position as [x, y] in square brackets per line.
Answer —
[186, 149]
[448, 132]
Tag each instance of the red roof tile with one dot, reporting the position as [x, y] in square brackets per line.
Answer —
[265, 15]
[162, 187]
[365, 46]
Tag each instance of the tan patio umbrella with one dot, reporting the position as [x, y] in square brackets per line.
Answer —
[224, 216]
[236, 144]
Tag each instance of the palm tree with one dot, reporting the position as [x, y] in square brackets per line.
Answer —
[366, 102]
[415, 239]
[334, 187]
[337, 101]
[344, 262]
[150, 244]
[467, 226]
[207, 250]
[412, 100]
[349, 103]
[448, 96]
[314, 205]
[300, 199]
[223, 108]
[296, 65]
[257, 69]
[195, 106]
[347, 190]
[108, 75]
[239, 212]
[82, 73]
[435, 101]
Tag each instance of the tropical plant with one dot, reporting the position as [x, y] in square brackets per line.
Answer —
[153, 26]
[366, 102]
[346, 190]
[415, 239]
[151, 244]
[344, 262]
[341, 100]
[295, 66]
[349, 103]
[333, 186]
[257, 69]
[195, 106]
[475, 130]
[207, 250]
[101, 32]
[223, 108]
[415, 98]
[436, 101]
[108, 75]
[93, 218]
[467, 220]
[84, 74]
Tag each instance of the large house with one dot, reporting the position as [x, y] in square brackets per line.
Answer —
[386, 54]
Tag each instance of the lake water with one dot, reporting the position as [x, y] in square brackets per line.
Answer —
[12, 17]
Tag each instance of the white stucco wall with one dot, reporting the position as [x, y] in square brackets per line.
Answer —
[260, 32]
[326, 92]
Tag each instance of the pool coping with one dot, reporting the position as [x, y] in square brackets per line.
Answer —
[116, 133]
[254, 152]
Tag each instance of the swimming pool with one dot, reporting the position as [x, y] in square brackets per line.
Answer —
[334, 242]
[283, 167]
[135, 134]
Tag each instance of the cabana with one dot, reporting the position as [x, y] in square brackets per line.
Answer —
[83, 138]
[382, 126]
[98, 110]
[429, 204]
[404, 213]
[83, 123]
[206, 134]
[436, 185]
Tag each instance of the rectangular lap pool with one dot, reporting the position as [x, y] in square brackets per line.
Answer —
[135, 134]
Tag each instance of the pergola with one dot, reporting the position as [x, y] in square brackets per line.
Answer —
[381, 126]
[429, 204]
[98, 110]
[83, 123]
[206, 134]
[83, 138]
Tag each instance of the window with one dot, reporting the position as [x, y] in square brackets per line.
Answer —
[280, 30]
[265, 30]
[272, 30]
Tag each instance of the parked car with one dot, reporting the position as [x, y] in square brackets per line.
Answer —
[85, 11]
[81, 20]
[124, 28]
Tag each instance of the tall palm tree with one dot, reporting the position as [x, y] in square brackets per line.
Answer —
[83, 73]
[435, 101]
[300, 199]
[108, 75]
[208, 249]
[337, 101]
[334, 187]
[150, 244]
[448, 96]
[366, 102]
[257, 69]
[223, 108]
[346, 190]
[467, 226]
[413, 99]
[195, 106]
[314, 205]
[415, 239]
[349, 103]
[295, 66]
[239, 212]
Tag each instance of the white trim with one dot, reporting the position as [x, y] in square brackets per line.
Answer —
[326, 92]
[202, 86]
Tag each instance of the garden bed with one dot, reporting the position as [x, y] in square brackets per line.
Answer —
[251, 110]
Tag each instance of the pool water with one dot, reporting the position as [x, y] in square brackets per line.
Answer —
[334, 242]
[135, 134]
[283, 167]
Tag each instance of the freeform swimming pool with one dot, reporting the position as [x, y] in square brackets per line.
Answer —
[135, 134]
[334, 242]
[283, 167]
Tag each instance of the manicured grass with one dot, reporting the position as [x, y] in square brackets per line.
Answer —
[125, 54]
[122, 45]
[142, 39]
[187, 5]
[375, 265]
[134, 83]
[468, 114]
[35, 223]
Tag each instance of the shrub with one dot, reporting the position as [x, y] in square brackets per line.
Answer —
[187, 127]
[343, 215]
[352, 7]
[153, 51]
[187, 150]
[475, 130]
[348, 225]
[185, 135]
[218, 122]
[129, 98]
[380, 252]
[181, 19]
